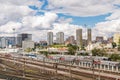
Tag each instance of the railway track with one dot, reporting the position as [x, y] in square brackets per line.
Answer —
[50, 65]
[72, 71]
[43, 76]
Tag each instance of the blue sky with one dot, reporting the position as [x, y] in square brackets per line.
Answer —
[41, 16]
[89, 21]
[77, 20]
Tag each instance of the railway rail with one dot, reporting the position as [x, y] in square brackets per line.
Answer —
[55, 68]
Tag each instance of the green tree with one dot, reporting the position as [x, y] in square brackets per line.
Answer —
[114, 44]
[114, 57]
[119, 45]
[72, 49]
[86, 54]
[69, 45]
[83, 54]
[83, 48]
[44, 53]
[33, 49]
[98, 52]
[28, 49]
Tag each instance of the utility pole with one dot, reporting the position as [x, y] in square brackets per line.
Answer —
[14, 44]
[99, 69]
[93, 64]
[99, 74]
[44, 64]
[24, 67]
[70, 74]
[85, 31]
[56, 67]
[93, 69]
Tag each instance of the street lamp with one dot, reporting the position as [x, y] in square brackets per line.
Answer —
[14, 42]
[14, 38]
[85, 31]
[93, 68]
[70, 71]
[98, 62]
[24, 67]
[44, 64]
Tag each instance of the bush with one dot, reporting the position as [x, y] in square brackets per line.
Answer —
[98, 52]
[115, 57]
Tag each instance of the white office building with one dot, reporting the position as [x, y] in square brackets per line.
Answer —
[23, 37]
[27, 44]
[50, 38]
[60, 38]
[79, 37]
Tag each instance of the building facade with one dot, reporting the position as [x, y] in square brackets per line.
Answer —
[99, 39]
[28, 44]
[79, 37]
[71, 40]
[7, 41]
[110, 40]
[50, 38]
[23, 37]
[60, 38]
[3, 42]
[43, 43]
[116, 38]
[89, 36]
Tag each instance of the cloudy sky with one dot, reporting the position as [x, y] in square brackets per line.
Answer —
[38, 17]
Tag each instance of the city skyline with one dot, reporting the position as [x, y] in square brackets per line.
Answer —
[41, 16]
[54, 36]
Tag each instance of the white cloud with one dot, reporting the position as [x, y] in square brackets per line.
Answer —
[63, 20]
[11, 12]
[14, 10]
[38, 35]
[115, 15]
[37, 3]
[40, 22]
[17, 14]
[36, 25]
[67, 28]
[8, 28]
[82, 7]
[106, 28]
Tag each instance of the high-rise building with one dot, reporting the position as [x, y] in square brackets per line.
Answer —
[50, 38]
[28, 44]
[71, 40]
[84, 42]
[4, 42]
[60, 38]
[23, 37]
[116, 38]
[110, 40]
[43, 43]
[89, 35]
[7, 41]
[79, 37]
[99, 39]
